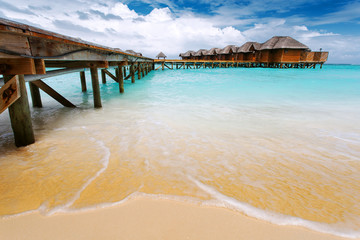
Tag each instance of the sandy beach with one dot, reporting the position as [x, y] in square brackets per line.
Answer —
[151, 219]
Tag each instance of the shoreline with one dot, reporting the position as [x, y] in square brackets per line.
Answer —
[144, 218]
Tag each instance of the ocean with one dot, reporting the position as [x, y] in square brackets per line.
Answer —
[281, 145]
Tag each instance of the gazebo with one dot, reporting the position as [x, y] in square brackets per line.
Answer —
[161, 55]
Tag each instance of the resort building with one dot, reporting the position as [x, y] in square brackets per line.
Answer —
[277, 50]
[228, 53]
[280, 49]
[247, 51]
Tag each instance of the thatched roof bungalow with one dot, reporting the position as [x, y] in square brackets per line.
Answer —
[246, 52]
[161, 55]
[212, 54]
[187, 55]
[199, 55]
[227, 53]
[281, 49]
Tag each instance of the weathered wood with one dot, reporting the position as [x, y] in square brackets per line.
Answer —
[139, 71]
[9, 93]
[77, 64]
[142, 70]
[13, 66]
[20, 116]
[121, 79]
[132, 73]
[83, 81]
[52, 93]
[35, 95]
[103, 76]
[110, 75]
[96, 87]
[40, 66]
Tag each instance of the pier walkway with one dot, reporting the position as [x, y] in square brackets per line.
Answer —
[26, 54]
[196, 64]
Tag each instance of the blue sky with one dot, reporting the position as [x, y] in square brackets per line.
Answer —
[150, 26]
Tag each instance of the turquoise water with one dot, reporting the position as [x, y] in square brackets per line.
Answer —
[277, 144]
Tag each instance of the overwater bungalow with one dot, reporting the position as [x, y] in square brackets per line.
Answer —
[187, 55]
[200, 54]
[281, 49]
[228, 53]
[246, 52]
[161, 55]
[212, 54]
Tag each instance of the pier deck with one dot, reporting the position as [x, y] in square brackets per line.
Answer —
[26, 54]
[196, 64]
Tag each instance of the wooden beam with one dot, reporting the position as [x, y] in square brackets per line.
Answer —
[83, 81]
[121, 78]
[96, 88]
[132, 73]
[52, 93]
[103, 76]
[17, 66]
[35, 95]
[110, 75]
[139, 71]
[77, 64]
[20, 116]
[9, 93]
[40, 66]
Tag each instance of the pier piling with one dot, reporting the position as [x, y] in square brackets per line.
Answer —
[96, 87]
[35, 95]
[20, 116]
[83, 81]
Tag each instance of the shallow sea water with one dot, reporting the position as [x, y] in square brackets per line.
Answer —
[275, 144]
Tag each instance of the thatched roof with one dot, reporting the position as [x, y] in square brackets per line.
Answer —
[281, 42]
[248, 46]
[187, 54]
[213, 51]
[133, 52]
[200, 52]
[227, 49]
[161, 55]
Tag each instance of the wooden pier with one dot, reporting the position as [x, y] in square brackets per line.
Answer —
[196, 64]
[27, 52]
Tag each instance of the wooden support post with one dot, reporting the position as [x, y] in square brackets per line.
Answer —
[83, 81]
[124, 72]
[103, 76]
[146, 68]
[139, 71]
[132, 73]
[35, 95]
[52, 93]
[96, 87]
[162, 65]
[142, 70]
[120, 78]
[20, 116]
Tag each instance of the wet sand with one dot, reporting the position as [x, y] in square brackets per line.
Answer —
[151, 219]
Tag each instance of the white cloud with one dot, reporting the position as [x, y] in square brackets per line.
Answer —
[115, 25]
